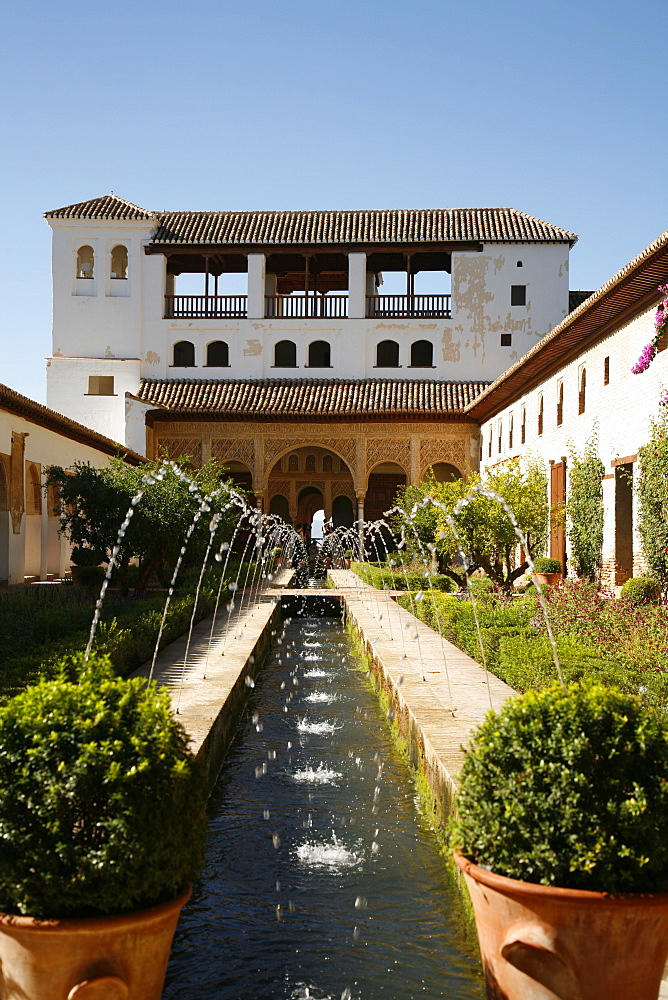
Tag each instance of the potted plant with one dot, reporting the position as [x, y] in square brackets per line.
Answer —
[561, 835]
[102, 817]
[547, 571]
[82, 557]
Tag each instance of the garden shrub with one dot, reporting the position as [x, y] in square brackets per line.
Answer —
[641, 590]
[381, 575]
[651, 491]
[102, 807]
[569, 788]
[585, 514]
[547, 565]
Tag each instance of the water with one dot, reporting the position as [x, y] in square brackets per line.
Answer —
[320, 880]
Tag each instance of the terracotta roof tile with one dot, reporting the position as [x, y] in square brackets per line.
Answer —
[356, 227]
[296, 399]
[13, 402]
[109, 206]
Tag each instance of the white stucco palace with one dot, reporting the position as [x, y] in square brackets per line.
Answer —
[315, 385]
[313, 305]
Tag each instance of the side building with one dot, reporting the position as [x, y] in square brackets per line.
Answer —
[577, 387]
[33, 437]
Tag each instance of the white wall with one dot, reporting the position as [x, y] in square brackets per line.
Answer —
[110, 327]
[67, 385]
[619, 413]
[36, 549]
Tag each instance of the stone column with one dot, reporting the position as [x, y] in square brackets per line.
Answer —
[361, 495]
[356, 285]
[257, 264]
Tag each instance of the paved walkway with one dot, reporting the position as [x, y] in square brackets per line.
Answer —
[446, 691]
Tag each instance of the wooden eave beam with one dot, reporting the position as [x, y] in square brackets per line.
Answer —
[316, 248]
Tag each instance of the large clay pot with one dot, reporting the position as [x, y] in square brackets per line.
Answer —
[97, 958]
[547, 579]
[540, 942]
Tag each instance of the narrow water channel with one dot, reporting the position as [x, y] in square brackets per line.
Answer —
[321, 881]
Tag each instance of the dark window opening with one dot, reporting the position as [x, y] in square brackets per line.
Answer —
[285, 354]
[524, 426]
[184, 354]
[583, 391]
[319, 354]
[560, 404]
[518, 295]
[506, 340]
[606, 371]
[218, 355]
[422, 354]
[520, 264]
[100, 385]
[387, 354]
[541, 412]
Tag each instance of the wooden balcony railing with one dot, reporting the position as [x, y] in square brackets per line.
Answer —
[301, 307]
[400, 306]
[205, 306]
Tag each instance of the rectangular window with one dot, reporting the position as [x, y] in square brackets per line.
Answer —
[500, 435]
[510, 432]
[100, 385]
[524, 425]
[518, 295]
[606, 371]
[506, 340]
[489, 446]
[560, 404]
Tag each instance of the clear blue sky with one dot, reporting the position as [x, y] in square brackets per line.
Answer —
[557, 109]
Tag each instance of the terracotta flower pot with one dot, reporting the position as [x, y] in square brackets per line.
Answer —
[540, 942]
[97, 958]
[546, 579]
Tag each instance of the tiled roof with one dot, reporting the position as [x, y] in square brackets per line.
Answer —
[441, 225]
[623, 295]
[109, 206]
[23, 406]
[297, 399]
[322, 228]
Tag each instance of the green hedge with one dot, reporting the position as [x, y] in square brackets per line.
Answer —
[127, 632]
[518, 650]
[381, 576]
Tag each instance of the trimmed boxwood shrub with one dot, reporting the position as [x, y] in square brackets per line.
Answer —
[102, 806]
[642, 590]
[569, 787]
[547, 565]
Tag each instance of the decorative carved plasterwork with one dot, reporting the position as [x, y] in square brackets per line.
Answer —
[317, 484]
[234, 450]
[344, 447]
[178, 448]
[279, 487]
[343, 490]
[388, 450]
[442, 450]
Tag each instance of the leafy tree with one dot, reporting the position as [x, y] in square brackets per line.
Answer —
[584, 510]
[652, 495]
[94, 503]
[483, 529]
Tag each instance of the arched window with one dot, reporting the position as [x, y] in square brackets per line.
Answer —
[285, 354]
[511, 421]
[319, 354]
[327, 463]
[279, 505]
[499, 437]
[218, 354]
[184, 354]
[560, 404]
[582, 391]
[119, 262]
[310, 463]
[85, 262]
[293, 463]
[523, 433]
[422, 354]
[387, 354]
